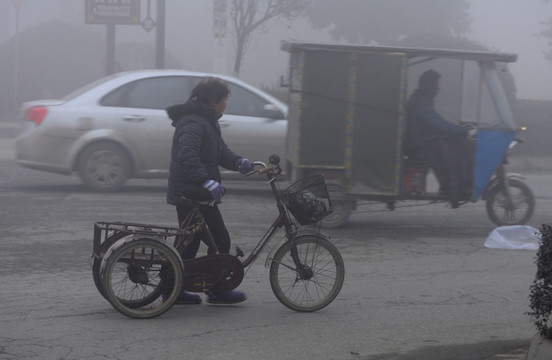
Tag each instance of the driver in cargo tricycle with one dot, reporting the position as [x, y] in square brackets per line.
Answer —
[441, 145]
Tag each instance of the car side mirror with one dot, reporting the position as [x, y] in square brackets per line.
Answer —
[272, 112]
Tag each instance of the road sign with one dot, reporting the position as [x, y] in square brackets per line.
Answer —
[112, 12]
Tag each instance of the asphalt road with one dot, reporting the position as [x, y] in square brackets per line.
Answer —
[419, 282]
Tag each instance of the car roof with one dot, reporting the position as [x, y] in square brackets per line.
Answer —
[168, 72]
[139, 74]
[110, 82]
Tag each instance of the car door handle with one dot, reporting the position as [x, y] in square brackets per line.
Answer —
[134, 118]
[224, 123]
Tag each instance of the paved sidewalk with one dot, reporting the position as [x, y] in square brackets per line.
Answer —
[8, 131]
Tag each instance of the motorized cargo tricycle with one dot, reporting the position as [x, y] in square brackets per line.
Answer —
[347, 121]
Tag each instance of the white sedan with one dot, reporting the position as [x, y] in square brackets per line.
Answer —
[116, 128]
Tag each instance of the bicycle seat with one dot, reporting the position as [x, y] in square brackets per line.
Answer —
[196, 194]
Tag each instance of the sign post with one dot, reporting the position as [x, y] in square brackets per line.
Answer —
[160, 36]
[111, 13]
[17, 7]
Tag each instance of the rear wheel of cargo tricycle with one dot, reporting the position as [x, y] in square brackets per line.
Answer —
[341, 209]
[514, 211]
[142, 278]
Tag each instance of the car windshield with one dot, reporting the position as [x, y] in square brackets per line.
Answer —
[87, 87]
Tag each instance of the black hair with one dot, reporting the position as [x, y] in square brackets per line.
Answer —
[209, 90]
[428, 80]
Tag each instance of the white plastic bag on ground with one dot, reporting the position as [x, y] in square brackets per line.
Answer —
[517, 237]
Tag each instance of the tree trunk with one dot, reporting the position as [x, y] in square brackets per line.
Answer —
[239, 55]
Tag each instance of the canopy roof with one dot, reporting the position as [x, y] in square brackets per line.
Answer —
[409, 52]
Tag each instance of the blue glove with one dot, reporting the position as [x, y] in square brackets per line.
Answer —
[244, 166]
[216, 189]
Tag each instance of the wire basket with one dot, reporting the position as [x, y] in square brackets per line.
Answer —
[308, 199]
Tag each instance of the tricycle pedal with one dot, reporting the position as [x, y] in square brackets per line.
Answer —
[239, 252]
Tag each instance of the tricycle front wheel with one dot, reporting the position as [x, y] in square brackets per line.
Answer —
[515, 209]
[313, 283]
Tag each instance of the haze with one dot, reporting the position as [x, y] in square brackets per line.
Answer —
[503, 25]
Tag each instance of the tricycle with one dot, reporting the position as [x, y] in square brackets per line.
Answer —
[139, 269]
[347, 121]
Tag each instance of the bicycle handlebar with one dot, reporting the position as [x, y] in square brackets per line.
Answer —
[265, 168]
[272, 169]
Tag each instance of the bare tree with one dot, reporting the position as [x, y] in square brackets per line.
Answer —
[248, 16]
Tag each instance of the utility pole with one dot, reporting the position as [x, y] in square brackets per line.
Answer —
[149, 24]
[160, 36]
[17, 6]
[109, 49]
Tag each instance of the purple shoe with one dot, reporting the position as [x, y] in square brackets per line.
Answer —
[186, 298]
[227, 297]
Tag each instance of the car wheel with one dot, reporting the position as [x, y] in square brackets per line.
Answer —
[104, 167]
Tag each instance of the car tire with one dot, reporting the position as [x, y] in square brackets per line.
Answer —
[104, 167]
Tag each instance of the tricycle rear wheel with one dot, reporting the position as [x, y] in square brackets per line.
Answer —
[97, 261]
[518, 211]
[142, 278]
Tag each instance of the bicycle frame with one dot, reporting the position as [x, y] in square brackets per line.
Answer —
[107, 233]
[283, 220]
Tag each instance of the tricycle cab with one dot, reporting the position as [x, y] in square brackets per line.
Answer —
[347, 114]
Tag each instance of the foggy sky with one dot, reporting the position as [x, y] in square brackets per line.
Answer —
[510, 26]
[503, 25]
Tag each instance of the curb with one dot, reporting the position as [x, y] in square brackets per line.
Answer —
[8, 132]
[9, 129]
[540, 349]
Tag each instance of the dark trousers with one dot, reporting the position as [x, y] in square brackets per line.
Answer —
[215, 223]
[430, 154]
[451, 160]
[457, 155]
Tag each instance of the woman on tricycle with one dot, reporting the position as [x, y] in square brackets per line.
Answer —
[197, 151]
[444, 146]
